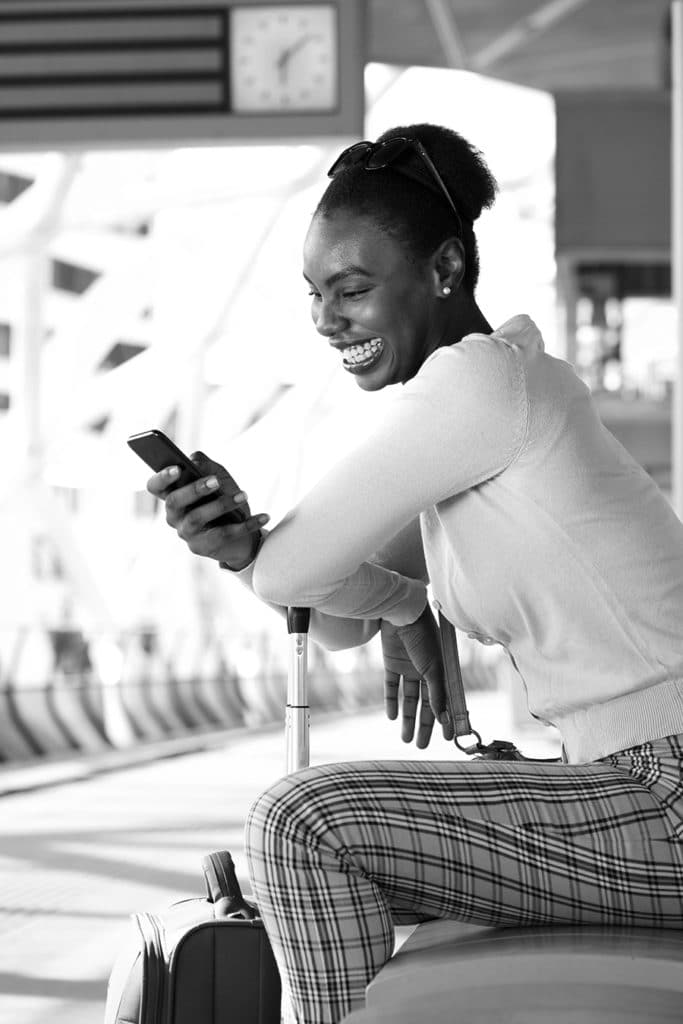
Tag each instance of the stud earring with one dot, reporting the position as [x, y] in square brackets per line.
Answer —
[446, 289]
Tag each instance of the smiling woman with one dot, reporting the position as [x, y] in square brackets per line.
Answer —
[388, 237]
[489, 466]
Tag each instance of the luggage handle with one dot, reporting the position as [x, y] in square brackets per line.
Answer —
[223, 889]
[297, 711]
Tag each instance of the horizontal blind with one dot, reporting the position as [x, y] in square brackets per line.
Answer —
[138, 60]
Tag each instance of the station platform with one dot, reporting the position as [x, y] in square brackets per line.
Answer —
[86, 842]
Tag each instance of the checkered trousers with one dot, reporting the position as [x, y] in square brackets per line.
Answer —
[339, 853]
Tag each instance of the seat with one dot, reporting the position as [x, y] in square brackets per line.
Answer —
[449, 972]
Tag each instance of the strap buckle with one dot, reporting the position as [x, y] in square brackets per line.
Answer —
[496, 750]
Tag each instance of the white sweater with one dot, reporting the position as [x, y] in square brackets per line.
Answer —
[539, 532]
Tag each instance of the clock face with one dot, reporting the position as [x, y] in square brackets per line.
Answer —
[283, 58]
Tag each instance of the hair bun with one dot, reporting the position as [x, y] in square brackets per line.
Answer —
[460, 164]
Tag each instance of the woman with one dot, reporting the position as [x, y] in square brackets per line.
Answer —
[492, 478]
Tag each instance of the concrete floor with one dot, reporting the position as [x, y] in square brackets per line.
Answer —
[77, 858]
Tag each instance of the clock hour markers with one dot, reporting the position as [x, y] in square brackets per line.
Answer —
[284, 59]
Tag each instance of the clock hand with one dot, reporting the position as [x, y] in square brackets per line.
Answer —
[283, 60]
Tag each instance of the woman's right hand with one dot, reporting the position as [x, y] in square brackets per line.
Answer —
[235, 544]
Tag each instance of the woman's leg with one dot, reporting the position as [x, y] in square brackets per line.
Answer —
[334, 851]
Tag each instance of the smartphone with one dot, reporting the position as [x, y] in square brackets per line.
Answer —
[159, 452]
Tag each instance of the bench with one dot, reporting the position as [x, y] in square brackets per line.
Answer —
[447, 972]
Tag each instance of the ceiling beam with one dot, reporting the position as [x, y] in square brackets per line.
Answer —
[524, 31]
[447, 32]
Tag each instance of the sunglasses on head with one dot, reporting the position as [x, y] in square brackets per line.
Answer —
[405, 155]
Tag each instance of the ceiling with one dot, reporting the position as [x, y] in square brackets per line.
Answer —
[555, 45]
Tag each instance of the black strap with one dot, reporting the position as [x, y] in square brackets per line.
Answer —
[496, 750]
[454, 684]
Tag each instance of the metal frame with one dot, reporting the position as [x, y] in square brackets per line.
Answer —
[677, 241]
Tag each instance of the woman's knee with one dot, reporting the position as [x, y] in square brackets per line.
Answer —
[297, 810]
[283, 812]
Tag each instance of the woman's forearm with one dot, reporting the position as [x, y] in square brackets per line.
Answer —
[333, 632]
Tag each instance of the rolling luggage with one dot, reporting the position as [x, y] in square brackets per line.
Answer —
[208, 960]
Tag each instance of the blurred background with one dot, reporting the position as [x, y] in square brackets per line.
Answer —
[150, 276]
[160, 285]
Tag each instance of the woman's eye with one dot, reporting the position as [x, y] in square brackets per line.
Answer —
[353, 294]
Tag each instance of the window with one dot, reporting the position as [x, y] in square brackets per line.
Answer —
[5, 340]
[45, 561]
[120, 353]
[71, 278]
[100, 425]
[12, 185]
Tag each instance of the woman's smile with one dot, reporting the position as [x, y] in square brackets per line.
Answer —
[360, 358]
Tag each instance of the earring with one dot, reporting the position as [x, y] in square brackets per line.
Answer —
[446, 289]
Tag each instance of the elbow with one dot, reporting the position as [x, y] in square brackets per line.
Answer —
[333, 644]
[341, 634]
[273, 582]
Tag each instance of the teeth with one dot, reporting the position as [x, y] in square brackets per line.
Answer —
[362, 353]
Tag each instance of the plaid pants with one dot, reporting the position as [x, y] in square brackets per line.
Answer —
[339, 853]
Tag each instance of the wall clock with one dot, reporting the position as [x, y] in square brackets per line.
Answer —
[284, 57]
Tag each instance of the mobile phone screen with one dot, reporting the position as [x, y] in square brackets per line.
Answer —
[159, 452]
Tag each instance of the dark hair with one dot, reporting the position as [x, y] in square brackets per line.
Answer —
[415, 215]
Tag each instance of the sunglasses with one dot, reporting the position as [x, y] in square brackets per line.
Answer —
[399, 153]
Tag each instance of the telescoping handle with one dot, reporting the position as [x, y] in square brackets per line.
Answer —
[297, 715]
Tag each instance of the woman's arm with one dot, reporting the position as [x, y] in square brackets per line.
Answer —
[458, 422]
[403, 554]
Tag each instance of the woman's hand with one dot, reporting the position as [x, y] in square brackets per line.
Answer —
[233, 543]
[413, 653]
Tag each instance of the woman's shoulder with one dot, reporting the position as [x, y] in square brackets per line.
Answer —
[478, 380]
[487, 359]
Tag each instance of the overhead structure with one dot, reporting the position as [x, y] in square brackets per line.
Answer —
[140, 72]
[556, 45]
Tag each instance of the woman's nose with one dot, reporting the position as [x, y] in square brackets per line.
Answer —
[328, 320]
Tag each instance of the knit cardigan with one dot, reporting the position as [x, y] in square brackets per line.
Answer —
[537, 531]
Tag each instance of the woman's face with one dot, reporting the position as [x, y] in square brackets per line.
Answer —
[374, 305]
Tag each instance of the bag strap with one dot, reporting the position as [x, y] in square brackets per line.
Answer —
[454, 684]
[496, 750]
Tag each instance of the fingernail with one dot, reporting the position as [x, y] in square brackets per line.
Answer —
[263, 519]
[211, 483]
[173, 472]
[239, 497]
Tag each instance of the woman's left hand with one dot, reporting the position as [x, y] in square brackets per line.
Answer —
[413, 652]
[397, 667]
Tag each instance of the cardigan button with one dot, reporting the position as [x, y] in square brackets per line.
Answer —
[488, 640]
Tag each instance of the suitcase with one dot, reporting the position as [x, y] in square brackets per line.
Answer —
[208, 960]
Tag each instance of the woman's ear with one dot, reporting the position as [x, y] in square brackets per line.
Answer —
[448, 265]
